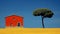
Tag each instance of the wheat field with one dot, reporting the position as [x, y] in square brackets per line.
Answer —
[16, 30]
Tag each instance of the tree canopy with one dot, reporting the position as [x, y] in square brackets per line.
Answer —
[43, 12]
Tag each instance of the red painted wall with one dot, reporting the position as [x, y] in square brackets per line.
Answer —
[13, 20]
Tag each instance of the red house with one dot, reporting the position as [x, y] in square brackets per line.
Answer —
[14, 21]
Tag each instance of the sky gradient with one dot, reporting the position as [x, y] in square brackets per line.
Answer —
[25, 8]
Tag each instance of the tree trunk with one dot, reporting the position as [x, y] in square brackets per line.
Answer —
[43, 22]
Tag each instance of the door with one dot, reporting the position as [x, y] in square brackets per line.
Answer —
[18, 24]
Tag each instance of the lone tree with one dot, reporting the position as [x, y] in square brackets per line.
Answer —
[44, 13]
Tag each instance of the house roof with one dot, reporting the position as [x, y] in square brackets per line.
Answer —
[13, 15]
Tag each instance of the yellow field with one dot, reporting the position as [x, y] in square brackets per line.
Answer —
[29, 31]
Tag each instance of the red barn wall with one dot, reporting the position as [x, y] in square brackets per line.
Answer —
[14, 20]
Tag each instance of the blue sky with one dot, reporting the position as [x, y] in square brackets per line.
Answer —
[26, 7]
